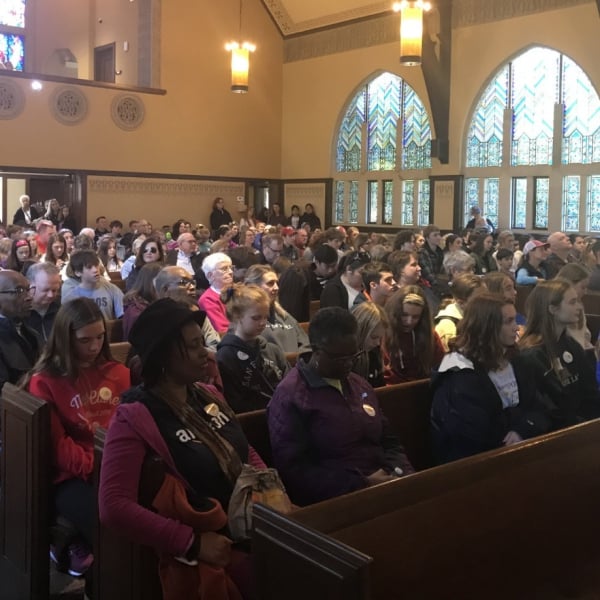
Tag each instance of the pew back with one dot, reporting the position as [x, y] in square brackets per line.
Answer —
[496, 525]
[407, 407]
[25, 476]
[122, 570]
[323, 567]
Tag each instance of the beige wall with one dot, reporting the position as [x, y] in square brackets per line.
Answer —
[198, 127]
[161, 201]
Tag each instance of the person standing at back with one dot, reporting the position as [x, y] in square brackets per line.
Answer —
[219, 216]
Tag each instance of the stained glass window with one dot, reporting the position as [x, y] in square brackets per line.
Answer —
[491, 199]
[570, 208]
[535, 90]
[339, 201]
[372, 201]
[353, 203]
[408, 202]
[350, 135]
[381, 106]
[12, 13]
[593, 203]
[519, 203]
[534, 94]
[423, 204]
[471, 197]
[384, 111]
[416, 142]
[388, 202]
[12, 49]
[581, 130]
[541, 202]
[485, 137]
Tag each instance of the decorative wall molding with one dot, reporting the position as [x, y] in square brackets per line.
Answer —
[384, 29]
[288, 26]
[304, 192]
[127, 111]
[362, 34]
[475, 12]
[136, 185]
[69, 105]
[12, 99]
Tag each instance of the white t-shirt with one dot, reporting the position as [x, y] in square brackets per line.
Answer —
[505, 383]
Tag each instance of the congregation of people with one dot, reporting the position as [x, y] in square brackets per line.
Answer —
[274, 312]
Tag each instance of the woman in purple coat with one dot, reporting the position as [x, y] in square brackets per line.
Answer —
[328, 435]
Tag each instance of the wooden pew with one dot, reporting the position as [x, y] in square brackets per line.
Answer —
[518, 522]
[25, 478]
[122, 570]
[407, 407]
[120, 351]
[114, 330]
[256, 428]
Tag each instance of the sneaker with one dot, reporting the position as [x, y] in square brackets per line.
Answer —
[80, 559]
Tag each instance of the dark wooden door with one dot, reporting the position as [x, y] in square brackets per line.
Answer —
[104, 63]
[44, 188]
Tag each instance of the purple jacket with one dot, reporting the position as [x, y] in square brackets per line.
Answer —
[326, 443]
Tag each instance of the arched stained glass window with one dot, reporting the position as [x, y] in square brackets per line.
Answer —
[515, 117]
[485, 137]
[581, 144]
[385, 128]
[383, 96]
[350, 135]
[534, 95]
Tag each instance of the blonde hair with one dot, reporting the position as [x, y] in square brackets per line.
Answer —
[239, 298]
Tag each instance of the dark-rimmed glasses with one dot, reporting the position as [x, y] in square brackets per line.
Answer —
[19, 290]
[342, 358]
[185, 282]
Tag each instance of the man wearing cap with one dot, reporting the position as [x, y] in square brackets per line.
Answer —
[532, 270]
[560, 253]
[289, 248]
[19, 345]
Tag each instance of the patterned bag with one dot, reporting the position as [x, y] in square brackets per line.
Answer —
[254, 485]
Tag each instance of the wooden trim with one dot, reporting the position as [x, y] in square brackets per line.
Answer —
[84, 82]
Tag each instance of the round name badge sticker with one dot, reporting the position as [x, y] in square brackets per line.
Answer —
[369, 410]
[567, 357]
[242, 355]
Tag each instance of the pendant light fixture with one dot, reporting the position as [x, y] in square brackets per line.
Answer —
[411, 30]
[240, 61]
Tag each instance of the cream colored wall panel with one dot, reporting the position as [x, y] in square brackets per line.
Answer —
[161, 201]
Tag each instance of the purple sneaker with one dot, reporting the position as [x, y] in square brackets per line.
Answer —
[80, 559]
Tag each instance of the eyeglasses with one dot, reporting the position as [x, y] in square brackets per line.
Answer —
[342, 358]
[186, 282]
[19, 290]
[227, 269]
[273, 250]
[359, 257]
[152, 250]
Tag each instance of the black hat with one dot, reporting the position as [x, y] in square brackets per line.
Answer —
[157, 324]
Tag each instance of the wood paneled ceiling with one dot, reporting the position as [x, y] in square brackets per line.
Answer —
[300, 16]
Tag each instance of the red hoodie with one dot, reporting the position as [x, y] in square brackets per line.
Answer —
[78, 409]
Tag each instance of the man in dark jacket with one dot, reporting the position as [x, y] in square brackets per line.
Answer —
[19, 345]
[45, 278]
[431, 256]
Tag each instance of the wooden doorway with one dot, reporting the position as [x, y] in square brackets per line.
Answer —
[104, 63]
